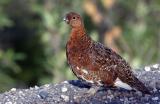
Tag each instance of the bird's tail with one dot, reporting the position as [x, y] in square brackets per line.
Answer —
[139, 85]
[134, 82]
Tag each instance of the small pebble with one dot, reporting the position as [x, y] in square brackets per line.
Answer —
[43, 94]
[20, 92]
[109, 92]
[121, 99]
[155, 98]
[156, 66]
[65, 97]
[31, 88]
[139, 93]
[147, 68]
[106, 102]
[13, 89]
[8, 102]
[64, 89]
[36, 87]
[47, 85]
[75, 97]
[65, 82]
[110, 97]
[131, 98]
[154, 90]
[104, 97]
[125, 100]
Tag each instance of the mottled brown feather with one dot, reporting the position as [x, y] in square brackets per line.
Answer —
[93, 62]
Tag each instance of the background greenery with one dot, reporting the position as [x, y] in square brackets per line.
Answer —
[33, 36]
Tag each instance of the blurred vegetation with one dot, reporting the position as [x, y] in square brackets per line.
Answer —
[33, 36]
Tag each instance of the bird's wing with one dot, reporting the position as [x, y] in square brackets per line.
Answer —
[110, 60]
[106, 59]
[106, 56]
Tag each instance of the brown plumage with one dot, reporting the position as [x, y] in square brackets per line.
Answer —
[93, 62]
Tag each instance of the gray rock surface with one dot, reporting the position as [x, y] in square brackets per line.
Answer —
[74, 92]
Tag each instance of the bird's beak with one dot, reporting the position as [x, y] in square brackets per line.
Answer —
[66, 20]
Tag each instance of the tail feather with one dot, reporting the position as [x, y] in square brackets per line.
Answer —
[129, 78]
[135, 83]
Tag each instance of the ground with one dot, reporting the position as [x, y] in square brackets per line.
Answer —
[73, 92]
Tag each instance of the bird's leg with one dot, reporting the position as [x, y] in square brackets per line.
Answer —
[92, 91]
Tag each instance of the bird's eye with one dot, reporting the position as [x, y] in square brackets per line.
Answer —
[74, 17]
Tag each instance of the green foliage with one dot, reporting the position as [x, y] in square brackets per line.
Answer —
[141, 33]
[8, 66]
[4, 20]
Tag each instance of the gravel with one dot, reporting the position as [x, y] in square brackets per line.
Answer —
[74, 92]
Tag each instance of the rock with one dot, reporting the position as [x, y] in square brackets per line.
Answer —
[65, 97]
[43, 94]
[74, 92]
[155, 98]
[64, 89]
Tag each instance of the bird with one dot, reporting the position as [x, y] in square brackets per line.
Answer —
[92, 62]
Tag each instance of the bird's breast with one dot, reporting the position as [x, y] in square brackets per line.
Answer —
[82, 60]
[77, 54]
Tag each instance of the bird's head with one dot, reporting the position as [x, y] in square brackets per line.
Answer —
[73, 19]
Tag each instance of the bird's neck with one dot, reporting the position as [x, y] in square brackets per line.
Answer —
[77, 32]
